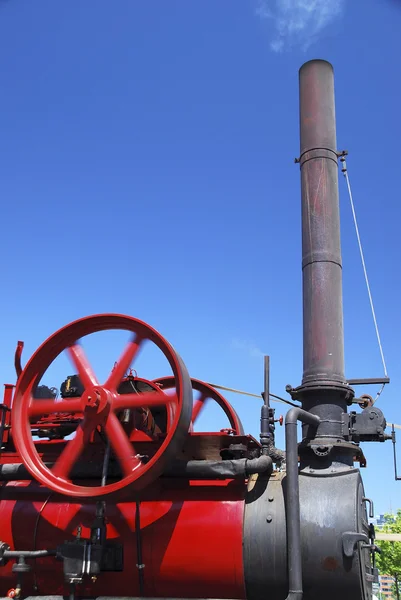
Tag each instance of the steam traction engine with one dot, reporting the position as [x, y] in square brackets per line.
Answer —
[109, 491]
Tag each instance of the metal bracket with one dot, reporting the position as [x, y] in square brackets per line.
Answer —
[396, 476]
[371, 381]
[339, 154]
[350, 540]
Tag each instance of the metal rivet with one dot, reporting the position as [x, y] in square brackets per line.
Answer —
[311, 470]
[269, 518]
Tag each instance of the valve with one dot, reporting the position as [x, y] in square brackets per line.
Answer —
[99, 404]
[21, 566]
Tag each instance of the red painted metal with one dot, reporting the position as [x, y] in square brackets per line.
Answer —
[207, 393]
[7, 402]
[99, 404]
[190, 532]
[191, 535]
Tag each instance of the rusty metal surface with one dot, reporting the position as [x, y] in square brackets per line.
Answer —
[321, 252]
[324, 390]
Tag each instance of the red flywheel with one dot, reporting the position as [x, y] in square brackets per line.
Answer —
[99, 404]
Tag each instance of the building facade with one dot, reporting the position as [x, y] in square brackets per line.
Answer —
[386, 587]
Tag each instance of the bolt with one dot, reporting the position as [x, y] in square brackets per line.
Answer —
[269, 518]
[271, 498]
[93, 401]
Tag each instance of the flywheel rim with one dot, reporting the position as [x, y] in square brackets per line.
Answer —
[207, 393]
[101, 408]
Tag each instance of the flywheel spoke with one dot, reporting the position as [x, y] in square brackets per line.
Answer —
[148, 399]
[85, 371]
[121, 445]
[199, 404]
[124, 363]
[48, 406]
[73, 449]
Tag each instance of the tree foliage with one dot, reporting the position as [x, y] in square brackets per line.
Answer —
[389, 561]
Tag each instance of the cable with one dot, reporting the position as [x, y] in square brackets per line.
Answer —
[277, 398]
[345, 173]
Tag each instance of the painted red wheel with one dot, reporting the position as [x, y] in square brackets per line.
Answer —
[207, 392]
[99, 404]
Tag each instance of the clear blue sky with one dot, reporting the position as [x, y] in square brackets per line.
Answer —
[146, 167]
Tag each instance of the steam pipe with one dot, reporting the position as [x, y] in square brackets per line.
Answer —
[292, 509]
[192, 469]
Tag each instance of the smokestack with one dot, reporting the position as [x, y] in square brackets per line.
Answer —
[324, 390]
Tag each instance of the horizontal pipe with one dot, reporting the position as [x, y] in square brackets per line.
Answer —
[224, 469]
[27, 553]
[192, 469]
[374, 380]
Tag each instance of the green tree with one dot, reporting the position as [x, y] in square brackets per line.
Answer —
[389, 561]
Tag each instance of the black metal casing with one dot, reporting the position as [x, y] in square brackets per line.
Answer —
[330, 504]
